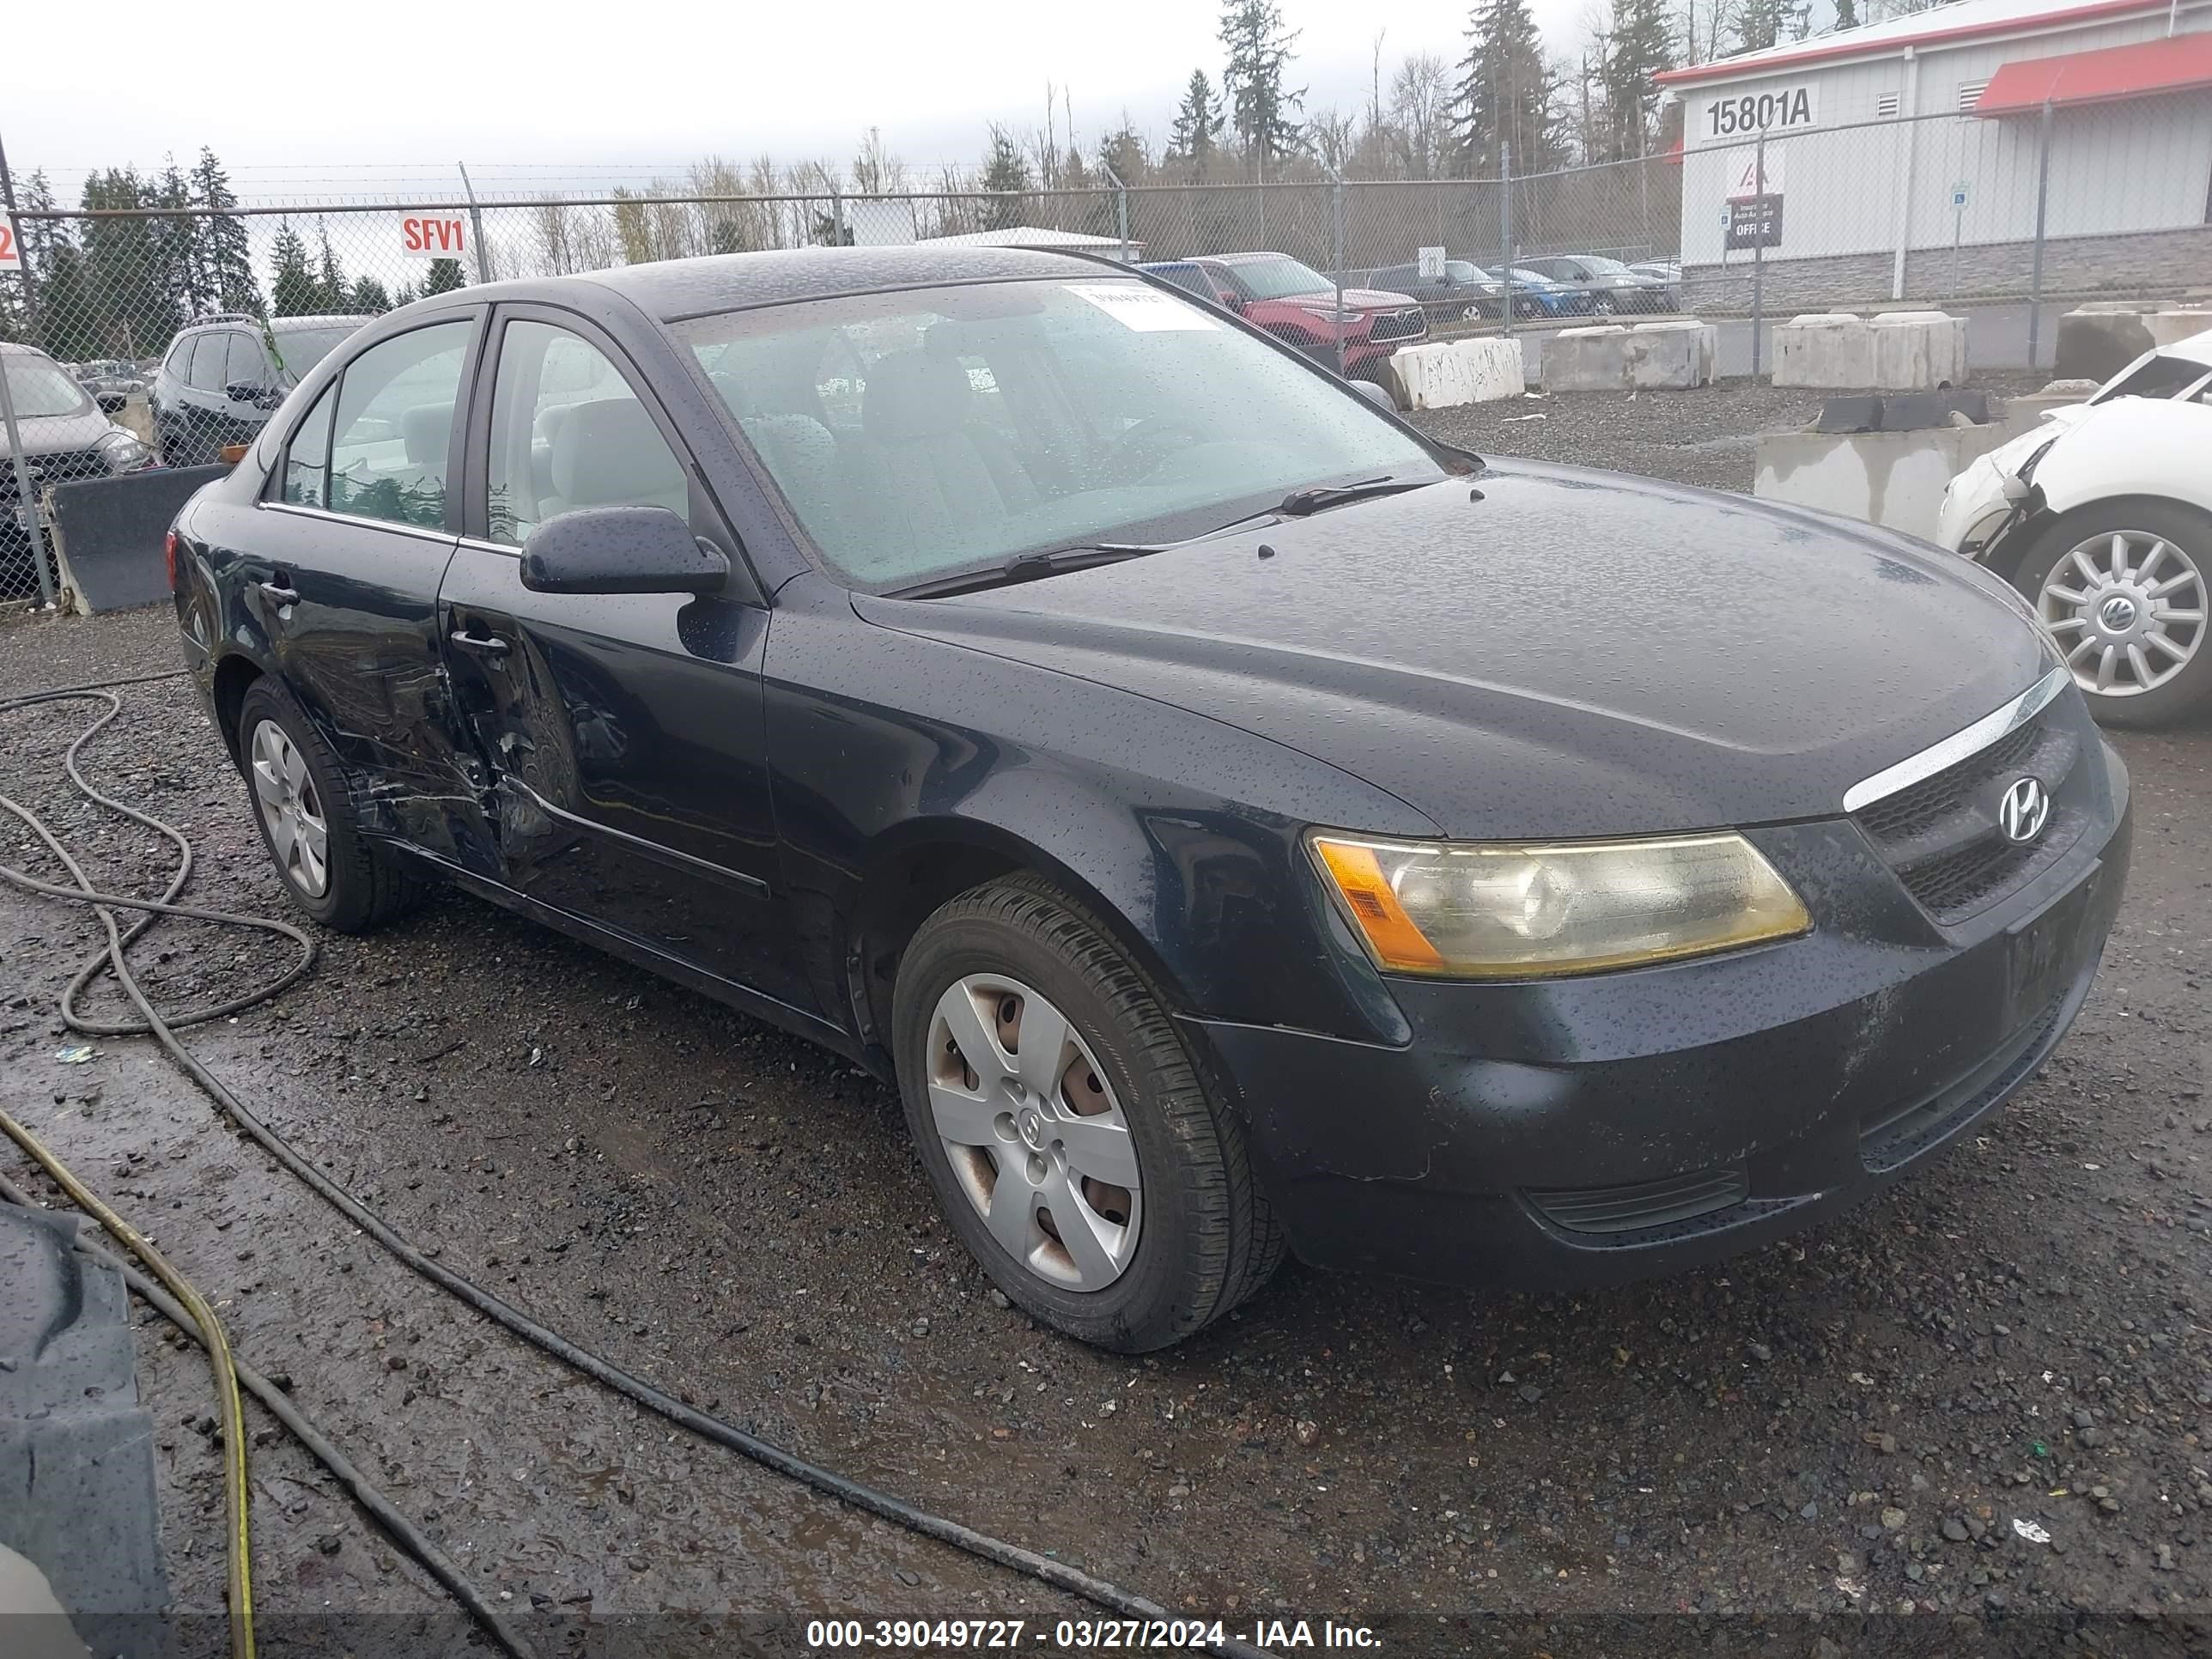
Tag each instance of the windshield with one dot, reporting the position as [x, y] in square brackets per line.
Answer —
[40, 385]
[938, 430]
[1531, 278]
[299, 350]
[1603, 267]
[1278, 279]
[1458, 270]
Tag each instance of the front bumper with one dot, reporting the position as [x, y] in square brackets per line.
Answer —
[1577, 1132]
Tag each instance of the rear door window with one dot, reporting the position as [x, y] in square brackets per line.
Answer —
[307, 459]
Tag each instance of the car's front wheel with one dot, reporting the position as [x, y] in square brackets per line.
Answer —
[1065, 1124]
[2124, 586]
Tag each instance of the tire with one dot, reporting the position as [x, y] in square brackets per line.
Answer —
[1604, 305]
[2047, 571]
[363, 884]
[1205, 1238]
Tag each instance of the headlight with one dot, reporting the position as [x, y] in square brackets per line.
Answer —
[122, 452]
[1489, 910]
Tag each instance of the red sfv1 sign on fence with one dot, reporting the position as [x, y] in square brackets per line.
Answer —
[433, 235]
[11, 256]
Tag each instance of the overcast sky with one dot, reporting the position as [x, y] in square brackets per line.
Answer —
[323, 96]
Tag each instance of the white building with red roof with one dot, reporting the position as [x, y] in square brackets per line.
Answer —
[1912, 158]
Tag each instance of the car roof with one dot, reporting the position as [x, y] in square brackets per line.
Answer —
[674, 289]
[331, 319]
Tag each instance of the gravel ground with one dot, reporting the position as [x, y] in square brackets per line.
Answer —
[1855, 1442]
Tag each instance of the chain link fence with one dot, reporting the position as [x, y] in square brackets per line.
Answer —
[165, 333]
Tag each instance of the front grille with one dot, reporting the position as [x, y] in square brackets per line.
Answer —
[1941, 836]
[60, 466]
[1399, 325]
[1645, 1204]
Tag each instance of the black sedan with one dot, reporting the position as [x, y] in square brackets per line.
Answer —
[1235, 822]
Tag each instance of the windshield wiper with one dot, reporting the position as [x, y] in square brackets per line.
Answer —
[1029, 566]
[1300, 502]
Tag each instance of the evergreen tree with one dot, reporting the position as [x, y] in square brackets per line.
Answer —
[445, 276]
[330, 285]
[1639, 48]
[1260, 108]
[1506, 93]
[1757, 24]
[132, 291]
[1007, 170]
[1847, 15]
[367, 295]
[176, 246]
[225, 253]
[293, 290]
[1197, 124]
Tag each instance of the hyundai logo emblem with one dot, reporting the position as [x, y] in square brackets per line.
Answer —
[2025, 809]
[2118, 613]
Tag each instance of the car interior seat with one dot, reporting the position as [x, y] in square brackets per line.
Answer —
[925, 473]
[609, 453]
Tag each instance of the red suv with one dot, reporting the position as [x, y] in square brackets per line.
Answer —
[1297, 305]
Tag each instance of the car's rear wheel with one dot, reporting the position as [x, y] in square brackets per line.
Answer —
[2124, 586]
[1065, 1124]
[306, 813]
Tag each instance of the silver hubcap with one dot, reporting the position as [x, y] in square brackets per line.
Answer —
[290, 809]
[2128, 609]
[1034, 1135]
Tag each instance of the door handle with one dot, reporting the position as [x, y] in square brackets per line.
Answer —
[282, 594]
[491, 644]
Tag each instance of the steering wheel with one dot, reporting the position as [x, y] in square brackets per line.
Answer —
[1143, 446]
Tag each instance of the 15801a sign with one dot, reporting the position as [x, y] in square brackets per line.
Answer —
[1782, 111]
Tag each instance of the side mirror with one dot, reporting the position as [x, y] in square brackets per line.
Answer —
[1378, 395]
[620, 550]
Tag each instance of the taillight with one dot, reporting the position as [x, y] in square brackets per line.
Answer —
[169, 553]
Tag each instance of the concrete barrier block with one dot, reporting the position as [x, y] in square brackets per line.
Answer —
[1617, 357]
[1823, 349]
[2096, 342]
[1894, 479]
[2177, 323]
[1918, 350]
[108, 534]
[1494, 368]
[1892, 351]
[1431, 376]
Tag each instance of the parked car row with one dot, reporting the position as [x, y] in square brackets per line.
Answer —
[1577, 285]
[1301, 307]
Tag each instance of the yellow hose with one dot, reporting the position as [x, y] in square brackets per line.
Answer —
[226, 1375]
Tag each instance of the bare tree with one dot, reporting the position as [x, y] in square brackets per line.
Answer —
[1420, 114]
[1332, 135]
[876, 171]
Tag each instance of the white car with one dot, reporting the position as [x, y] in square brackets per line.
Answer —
[2102, 517]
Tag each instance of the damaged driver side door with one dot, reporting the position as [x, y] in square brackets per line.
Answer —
[624, 732]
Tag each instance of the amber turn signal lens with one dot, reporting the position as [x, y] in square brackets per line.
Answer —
[231, 454]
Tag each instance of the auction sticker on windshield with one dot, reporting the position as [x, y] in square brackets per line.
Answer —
[1145, 309]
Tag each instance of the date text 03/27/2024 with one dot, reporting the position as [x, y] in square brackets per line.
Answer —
[922, 1634]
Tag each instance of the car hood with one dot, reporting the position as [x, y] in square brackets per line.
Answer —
[1574, 654]
[1355, 299]
[50, 434]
